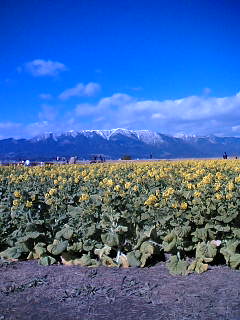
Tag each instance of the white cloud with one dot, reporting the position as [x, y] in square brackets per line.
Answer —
[91, 89]
[85, 109]
[116, 100]
[207, 91]
[10, 129]
[136, 88]
[39, 127]
[39, 68]
[45, 96]
[157, 116]
[9, 125]
[48, 113]
[105, 105]
[189, 115]
[236, 128]
[81, 90]
[192, 115]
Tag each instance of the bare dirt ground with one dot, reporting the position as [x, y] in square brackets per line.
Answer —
[30, 291]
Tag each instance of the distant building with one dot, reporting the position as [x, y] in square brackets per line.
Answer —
[72, 160]
[27, 163]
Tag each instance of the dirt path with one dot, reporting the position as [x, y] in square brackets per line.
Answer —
[30, 291]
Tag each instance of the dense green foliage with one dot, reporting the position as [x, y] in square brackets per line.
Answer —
[132, 214]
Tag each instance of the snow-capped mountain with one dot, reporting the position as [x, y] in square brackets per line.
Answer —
[116, 143]
[146, 136]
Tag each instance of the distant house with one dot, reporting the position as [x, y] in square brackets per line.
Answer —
[72, 160]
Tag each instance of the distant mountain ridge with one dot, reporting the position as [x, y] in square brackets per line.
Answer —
[115, 143]
[146, 136]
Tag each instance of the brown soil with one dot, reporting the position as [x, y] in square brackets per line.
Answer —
[30, 291]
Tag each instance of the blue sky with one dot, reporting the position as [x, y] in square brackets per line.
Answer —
[169, 66]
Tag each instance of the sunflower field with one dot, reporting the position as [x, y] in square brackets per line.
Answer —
[131, 214]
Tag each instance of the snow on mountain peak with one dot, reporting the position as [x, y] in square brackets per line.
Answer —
[149, 137]
[45, 136]
[146, 136]
[71, 133]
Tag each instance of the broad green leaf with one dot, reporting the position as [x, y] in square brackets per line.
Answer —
[110, 239]
[75, 247]
[65, 233]
[11, 253]
[104, 251]
[88, 245]
[177, 266]
[108, 262]
[57, 247]
[229, 250]
[47, 261]
[39, 250]
[198, 266]
[147, 250]
[133, 260]
[169, 242]
[234, 261]
[206, 251]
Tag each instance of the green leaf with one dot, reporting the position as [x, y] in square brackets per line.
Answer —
[169, 237]
[147, 250]
[104, 251]
[234, 261]
[169, 242]
[198, 266]
[88, 245]
[85, 260]
[91, 231]
[57, 247]
[74, 211]
[220, 228]
[65, 233]
[144, 234]
[47, 261]
[200, 234]
[121, 229]
[236, 233]
[39, 250]
[108, 262]
[206, 251]
[30, 235]
[177, 266]
[13, 253]
[75, 247]
[133, 260]
[227, 217]
[183, 231]
[31, 227]
[110, 239]
[229, 250]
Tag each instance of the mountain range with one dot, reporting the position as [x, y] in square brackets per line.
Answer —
[115, 143]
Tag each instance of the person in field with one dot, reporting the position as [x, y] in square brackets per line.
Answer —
[225, 155]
